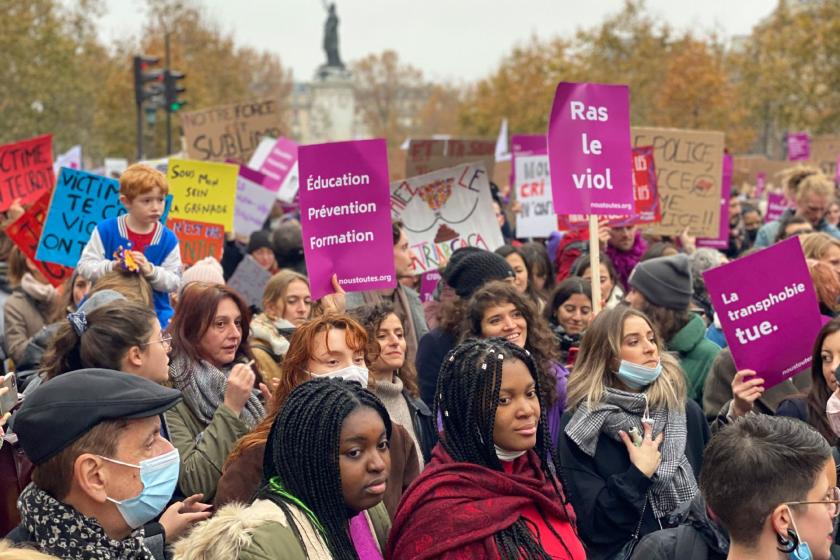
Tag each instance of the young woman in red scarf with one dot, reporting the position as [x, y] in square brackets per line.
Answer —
[491, 489]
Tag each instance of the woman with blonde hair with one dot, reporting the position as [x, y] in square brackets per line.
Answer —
[631, 441]
[822, 247]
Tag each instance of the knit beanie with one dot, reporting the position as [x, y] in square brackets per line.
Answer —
[664, 281]
[259, 239]
[456, 257]
[476, 269]
[206, 270]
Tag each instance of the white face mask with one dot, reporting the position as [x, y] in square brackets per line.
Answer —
[832, 410]
[359, 374]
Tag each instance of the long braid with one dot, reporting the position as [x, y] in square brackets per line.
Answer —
[466, 399]
[301, 464]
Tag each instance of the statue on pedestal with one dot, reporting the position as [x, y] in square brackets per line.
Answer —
[331, 39]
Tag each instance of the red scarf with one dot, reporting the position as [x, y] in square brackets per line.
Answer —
[453, 510]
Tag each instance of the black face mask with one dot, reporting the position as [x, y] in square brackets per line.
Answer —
[751, 234]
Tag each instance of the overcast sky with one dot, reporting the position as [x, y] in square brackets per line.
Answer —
[450, 40]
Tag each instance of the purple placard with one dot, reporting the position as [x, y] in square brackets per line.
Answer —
[799, 146]
[722, 240]
[428, 282]
[837, 170]
[777, 203]
[760, 180]
[345, 213]
[769, 313]
[589, 153]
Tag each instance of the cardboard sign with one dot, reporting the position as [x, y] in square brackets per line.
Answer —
[443, 211]
[777, 204]
[25, 232]
[255, 195]
[344, 214]
[249, 279]
[536, 217]
[769, 313]
[589, 149]
[198, 239]
[80, 201]
[26, 170]
[689, 171]
[72, 158]
[645, 197]
[280, 166]
[425, 156]
[203, 191]
[231, 131]
[798, 146]
[722, 239]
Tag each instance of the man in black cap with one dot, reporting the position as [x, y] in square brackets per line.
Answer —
[662, 288]
[102, 469]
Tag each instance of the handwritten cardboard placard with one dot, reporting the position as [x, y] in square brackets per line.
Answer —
[26, 170]
[769, 313]
[777, 204]
[722, 239]
[198, 240]
[249, 279]
[536, 217]
[255, 195]
[25, 232]
[589, 149]
[231, 131]
[203, 191]
[689, 170]
[445, 210]
[345, 216]
[80, 201]
[425, 156]
[799, 146]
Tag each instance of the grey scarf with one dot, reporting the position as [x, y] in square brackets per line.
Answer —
[673, 483]
[203, 386]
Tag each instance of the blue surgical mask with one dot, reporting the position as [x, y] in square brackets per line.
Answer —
[803, 551]
[159, 476]
[359, 374]
[638, 377]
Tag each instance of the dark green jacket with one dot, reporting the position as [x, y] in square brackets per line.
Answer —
[696, 354]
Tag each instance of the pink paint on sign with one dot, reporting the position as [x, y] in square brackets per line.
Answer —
[345, 213]
[589, 152]
[769, 313]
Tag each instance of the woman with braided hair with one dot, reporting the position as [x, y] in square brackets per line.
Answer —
[326, 470]
[492, 488]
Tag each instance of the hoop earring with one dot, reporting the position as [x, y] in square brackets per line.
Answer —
[789, 544]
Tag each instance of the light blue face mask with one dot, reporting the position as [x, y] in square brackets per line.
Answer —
[638, 377]
[159, 476]
[803, 551]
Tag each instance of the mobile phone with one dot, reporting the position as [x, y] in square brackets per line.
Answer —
[837, 374]
[9, 399]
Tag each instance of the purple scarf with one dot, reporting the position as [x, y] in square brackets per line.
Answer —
[363, 539]
[625, 261]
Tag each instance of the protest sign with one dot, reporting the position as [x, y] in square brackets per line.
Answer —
[689, 171]
[645, 197]
[255, 195]
[760, 179]
[722, 239]
[114, 167]
[203, 191]
[528, 143]
[768, 312]
[231, 131]
[425, 156]
[197, 239]
[344, 214]
[280, 166]
[536, 216]
[249, 279]
[798, 146]
[80, 201]
[443, 211]
[26, 170]
[25, 232]
[777, 204]
[72, 158]
[589, 149]
[428, 283]
[261, 152]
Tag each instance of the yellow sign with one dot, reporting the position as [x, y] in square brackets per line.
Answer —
[203, 191]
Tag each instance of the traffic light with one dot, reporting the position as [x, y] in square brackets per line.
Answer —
[143, 75]
[172, 89]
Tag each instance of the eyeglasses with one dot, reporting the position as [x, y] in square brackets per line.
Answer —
[166, 340]
[833, 502]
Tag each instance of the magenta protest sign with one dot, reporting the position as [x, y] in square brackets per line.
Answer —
[760, 180]
[589, 149]
[722, 240]
[527, 143]
[345, 213]
[799, 146]
[768, 312]
[278, 166]
[428, 283]
[777, 203]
